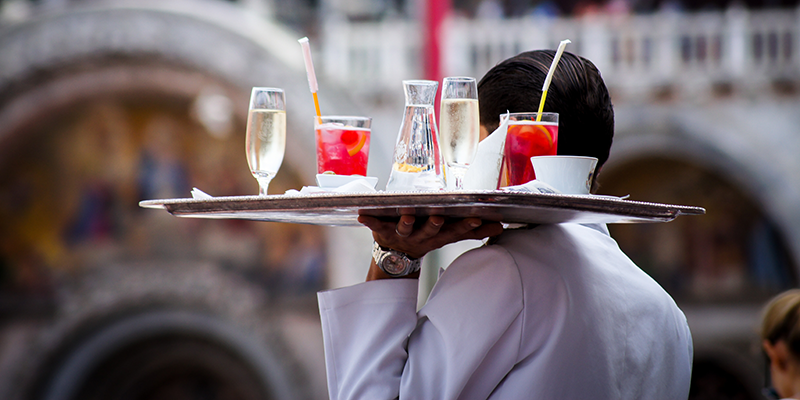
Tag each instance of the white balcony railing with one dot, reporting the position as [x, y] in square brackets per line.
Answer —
[637, 54]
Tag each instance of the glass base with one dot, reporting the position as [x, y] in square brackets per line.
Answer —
[400, 181]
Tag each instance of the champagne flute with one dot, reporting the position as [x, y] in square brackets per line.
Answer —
[459, 125]
[266, 134]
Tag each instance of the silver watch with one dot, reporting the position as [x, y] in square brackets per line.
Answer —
[393, 262]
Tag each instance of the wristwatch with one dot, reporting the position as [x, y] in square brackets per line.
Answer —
[393, 262]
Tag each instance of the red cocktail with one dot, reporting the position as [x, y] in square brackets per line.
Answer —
[527, 138]
[343, 145]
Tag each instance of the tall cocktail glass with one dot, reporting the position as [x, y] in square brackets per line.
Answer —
[342, 144]
[527, 138]
[459, 126]
[266, 134]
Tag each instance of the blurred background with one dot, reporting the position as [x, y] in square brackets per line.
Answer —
[106, 103]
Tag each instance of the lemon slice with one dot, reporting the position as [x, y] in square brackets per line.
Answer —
[403, 167]
[545, 132]
[357, 146]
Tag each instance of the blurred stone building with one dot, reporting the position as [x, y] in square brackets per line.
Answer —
[104, 104]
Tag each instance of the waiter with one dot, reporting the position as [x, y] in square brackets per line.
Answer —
[543, 312]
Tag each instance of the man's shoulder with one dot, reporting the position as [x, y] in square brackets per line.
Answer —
[484, 280]
[486, 268]
[487, 259]
[566, 228]
[572, 253]
[558, 238]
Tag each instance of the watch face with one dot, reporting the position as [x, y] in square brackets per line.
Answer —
[394, 264]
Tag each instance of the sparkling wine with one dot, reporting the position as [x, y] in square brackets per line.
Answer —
[459, 130]
[266, 143]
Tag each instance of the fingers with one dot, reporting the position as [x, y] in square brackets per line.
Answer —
[366, 220]
[372, 223]
[405, 226]
[431, 227]
[459, 228]
[434, 233]
[382, 230]
[488, 229]
[470, 228]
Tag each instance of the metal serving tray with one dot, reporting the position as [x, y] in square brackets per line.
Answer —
[342, 209]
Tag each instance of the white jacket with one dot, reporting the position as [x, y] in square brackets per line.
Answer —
[554, 312]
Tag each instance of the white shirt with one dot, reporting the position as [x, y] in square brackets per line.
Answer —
[554, 312]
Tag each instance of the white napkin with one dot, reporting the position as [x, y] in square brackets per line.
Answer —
[355, 186]
[484, 172]
[534, 186]
[198, 194]
[537, 186]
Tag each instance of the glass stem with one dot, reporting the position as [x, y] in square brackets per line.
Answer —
[263, 182]
[458, 172]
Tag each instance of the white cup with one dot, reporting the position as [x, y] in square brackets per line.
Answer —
[567, 174]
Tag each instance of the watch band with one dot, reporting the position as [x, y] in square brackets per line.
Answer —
[393, 262]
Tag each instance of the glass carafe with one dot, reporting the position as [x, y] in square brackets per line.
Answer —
[417, 162]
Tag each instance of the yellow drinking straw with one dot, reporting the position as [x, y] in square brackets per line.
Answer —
[312, 77]
[549, 76]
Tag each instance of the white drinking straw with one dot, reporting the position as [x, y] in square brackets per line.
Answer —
[549, 76]
[312, 77]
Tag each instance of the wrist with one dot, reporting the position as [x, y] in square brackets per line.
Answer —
[376, 273]
[394, 263]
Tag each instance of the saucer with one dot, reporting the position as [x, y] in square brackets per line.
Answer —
[329, 181]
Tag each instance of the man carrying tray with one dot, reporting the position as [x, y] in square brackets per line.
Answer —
[544, 312]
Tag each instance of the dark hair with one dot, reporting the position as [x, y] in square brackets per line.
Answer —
[781, 320]
[577, 93]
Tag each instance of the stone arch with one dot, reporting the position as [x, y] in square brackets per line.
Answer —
[760, 162]
[109, 48]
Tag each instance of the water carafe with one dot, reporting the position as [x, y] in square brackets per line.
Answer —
[417, 162]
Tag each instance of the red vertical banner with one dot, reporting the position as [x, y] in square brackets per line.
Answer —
[435, 13]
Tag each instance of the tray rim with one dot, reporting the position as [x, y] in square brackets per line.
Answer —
[226, 205]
